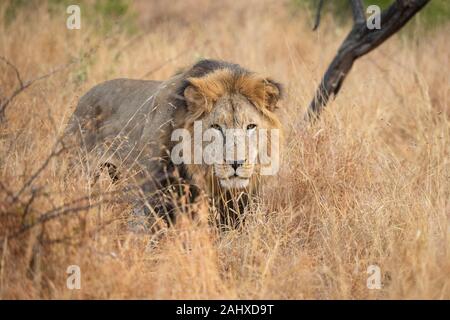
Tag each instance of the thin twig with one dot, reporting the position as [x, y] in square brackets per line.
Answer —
[317, 21]
[53, 214]
[14, 68]
[24, 85]
[53, 154]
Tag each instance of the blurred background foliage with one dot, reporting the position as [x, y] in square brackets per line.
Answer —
[435, 13]
[105, 13]
[122, 13]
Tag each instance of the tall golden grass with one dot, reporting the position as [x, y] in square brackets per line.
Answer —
[368, 184]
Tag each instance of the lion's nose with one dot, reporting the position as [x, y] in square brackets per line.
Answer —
[237, 164]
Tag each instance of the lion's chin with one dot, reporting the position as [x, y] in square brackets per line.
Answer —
[234, 183]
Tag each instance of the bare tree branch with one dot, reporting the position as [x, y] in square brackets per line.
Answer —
[14, 68]
[358, 11]
[319, 9]
[54, 214]
[55, 152]
[24, 85]
[359, 42]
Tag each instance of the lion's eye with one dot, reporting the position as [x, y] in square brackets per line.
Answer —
[217, 127]
[251, 126]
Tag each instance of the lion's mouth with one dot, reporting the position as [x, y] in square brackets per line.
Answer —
[234, 182]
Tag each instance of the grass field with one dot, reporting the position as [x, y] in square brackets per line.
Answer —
[368, 184]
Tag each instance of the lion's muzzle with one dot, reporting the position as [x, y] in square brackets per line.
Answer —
[234, 174]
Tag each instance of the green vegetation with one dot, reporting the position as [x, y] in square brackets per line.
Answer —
[12, 8]
[105, 13]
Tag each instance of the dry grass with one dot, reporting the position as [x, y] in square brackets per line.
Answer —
[368, 184]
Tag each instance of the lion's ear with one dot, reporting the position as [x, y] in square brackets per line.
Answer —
[273, 93]
[195, 100]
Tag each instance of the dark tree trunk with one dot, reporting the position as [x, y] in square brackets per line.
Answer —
[358, 42]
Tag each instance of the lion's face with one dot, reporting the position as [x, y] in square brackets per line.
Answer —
[234, 111]
[236, 123]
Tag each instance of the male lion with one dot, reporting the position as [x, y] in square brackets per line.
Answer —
[128, 126]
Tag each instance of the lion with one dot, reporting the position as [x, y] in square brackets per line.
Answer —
[128, 127]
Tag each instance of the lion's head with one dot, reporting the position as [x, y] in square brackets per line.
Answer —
[233, 113]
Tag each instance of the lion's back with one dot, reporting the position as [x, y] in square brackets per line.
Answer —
[112, 118]
[114, 102]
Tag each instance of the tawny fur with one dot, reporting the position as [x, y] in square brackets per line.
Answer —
[128, 123]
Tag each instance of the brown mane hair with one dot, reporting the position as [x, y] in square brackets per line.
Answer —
[213, 79]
